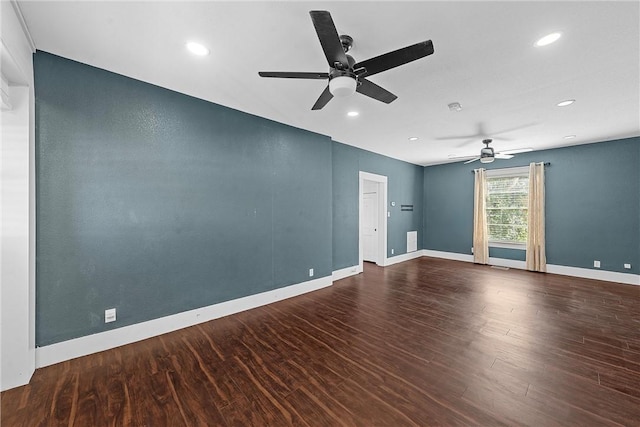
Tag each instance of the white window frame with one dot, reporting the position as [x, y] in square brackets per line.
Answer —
[497, 173]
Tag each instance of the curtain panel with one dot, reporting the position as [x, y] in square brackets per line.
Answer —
[480, 230]
[536, 259]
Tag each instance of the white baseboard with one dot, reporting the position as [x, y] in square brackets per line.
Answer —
[66, 350]
[402, 258]
[346, 272]
[447, 255]
[586, 273]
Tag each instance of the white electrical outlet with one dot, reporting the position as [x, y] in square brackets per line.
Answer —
[110, 315]
[392, 251]
[388, 214]
[596, 264]
[627, 266]
[311, 272]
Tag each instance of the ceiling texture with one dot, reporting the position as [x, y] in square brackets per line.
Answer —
[484, 59]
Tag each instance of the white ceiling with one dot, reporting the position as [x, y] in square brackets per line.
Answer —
[484, 59]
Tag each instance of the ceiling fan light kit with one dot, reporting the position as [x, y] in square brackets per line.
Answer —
[346, 76]
[487, 158]
[342, 86]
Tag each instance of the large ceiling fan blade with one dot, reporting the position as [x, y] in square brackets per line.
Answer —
[325, 97]
[503, 156]
[472, 160]
[328, 35]
[394, 59]
[293, 75]
[460, 158]
[374, 91]
[516, 151]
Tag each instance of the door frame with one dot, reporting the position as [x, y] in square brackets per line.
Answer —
[381, 258]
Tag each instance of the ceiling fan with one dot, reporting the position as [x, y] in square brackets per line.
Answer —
[488, 155]
[346, 76]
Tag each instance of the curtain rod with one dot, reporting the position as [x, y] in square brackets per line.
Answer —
[545, 163]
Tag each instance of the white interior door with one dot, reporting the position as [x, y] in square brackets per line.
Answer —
[370, 227]
[372, 183]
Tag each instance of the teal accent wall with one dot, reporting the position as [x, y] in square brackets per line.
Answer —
[405, 183]
[592, 205]
[153, 202]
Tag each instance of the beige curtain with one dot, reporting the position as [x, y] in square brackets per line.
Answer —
[480, 232]
[536, 257]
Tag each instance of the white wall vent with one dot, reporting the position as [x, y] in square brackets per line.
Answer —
[412, 241]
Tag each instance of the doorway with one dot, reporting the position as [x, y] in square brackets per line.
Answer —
[372, 219]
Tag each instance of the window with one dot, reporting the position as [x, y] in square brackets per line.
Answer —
[506, 207]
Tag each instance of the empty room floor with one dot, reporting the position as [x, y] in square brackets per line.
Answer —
[424, 342]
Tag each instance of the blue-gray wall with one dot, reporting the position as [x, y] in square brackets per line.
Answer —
[405, 183]
[592, 205]
[154, 202]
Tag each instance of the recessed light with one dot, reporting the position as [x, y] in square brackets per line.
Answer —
[569, 137]
[548, 39]
[197, 49]
[413, 138]
[353, 114]
[565, 103]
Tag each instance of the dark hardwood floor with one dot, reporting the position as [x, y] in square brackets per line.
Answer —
[425, 342]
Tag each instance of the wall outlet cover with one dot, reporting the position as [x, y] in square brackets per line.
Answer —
[392, 251]
[110, 315]
[596, 264]
[627, 266]
[311, 272]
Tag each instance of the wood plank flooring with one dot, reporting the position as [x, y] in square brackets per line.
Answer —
[425, 342]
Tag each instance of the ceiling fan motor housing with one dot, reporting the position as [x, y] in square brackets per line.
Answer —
[343, 82]
[346, 42]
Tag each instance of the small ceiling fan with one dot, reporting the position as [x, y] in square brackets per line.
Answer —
[346, 76]
[487, 155]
